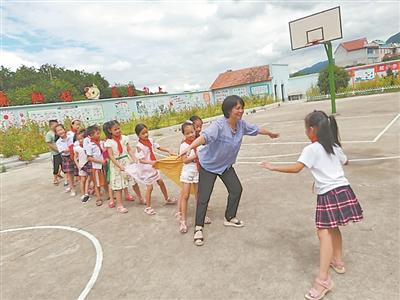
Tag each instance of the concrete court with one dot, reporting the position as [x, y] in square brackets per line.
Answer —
[275, 256]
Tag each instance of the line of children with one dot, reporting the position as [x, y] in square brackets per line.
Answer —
[336, 202]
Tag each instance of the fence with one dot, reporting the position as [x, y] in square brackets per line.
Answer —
[380, 90]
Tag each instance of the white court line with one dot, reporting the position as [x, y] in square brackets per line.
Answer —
[386, 128]
[92, 238]
[350, 160]
[344, 142]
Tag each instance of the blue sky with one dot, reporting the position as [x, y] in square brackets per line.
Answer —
[179, 45]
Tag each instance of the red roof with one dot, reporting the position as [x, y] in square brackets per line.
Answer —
[242, 76]
[354, 44]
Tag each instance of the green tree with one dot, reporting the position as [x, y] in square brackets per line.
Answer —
[341, 79]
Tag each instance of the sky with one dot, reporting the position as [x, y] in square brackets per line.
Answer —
[178, 45]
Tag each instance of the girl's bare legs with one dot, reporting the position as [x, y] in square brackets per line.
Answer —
[70, 180]
[87, 182]
[337, 245]
[325, 255]
[163, 189]
[136, 189]
[184, 201]
[82, 184]
[149, 190]
[118, 195]
[110, 194]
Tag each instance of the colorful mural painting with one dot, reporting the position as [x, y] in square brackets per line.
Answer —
[101, 110]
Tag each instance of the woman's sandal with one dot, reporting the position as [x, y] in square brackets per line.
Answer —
[99, 202]
[183, 227]
[338, 267]
[313, 294]
[170, 201]
[122, 209]
[198, 236]
[149, 211]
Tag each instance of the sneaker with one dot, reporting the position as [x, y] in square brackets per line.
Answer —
[235, 222]
[72, 194]
[85, 198]
[68, 189]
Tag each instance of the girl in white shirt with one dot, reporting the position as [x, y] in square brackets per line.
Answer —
[81, 161]
[336, 202]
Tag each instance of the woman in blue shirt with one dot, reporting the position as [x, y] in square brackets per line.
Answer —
[222, 141]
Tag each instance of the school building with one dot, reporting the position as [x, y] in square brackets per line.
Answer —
[269, 79]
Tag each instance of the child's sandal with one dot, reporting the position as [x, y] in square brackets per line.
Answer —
[198, 236]
[129, 198]
[183, 227]
[149, 211]
[111, 204]
[207, 220]
[313, 294]
[171, 201]
[122, 209]
[99, 202]
[338, 267]
[178, 216]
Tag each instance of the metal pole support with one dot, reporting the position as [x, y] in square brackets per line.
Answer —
[331, 76]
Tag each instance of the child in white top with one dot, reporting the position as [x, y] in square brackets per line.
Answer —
[190, 172]
[67, 164]
[81, 159]
[336, 202]
[121, 154]
[144, 169]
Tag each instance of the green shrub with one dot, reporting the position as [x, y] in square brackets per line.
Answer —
[28, 141]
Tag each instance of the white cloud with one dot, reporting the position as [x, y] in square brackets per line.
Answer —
[181, 45]
[13, 61]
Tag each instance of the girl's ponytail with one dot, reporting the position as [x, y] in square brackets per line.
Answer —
[335, 130]
[325, 136]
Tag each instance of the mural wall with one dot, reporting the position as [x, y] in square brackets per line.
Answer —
[102, 110]
[255, 89]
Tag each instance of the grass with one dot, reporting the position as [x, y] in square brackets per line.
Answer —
[27, 141]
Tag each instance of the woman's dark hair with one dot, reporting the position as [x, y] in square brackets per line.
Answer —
[326, 127]
[229, 103]
[81, 131]
[195, 118]
[187, 124]
[92, 129]
[139, 127]
[107, 128]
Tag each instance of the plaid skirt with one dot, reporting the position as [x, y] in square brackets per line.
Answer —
[68, 165]
[87, 168]
[337, 207]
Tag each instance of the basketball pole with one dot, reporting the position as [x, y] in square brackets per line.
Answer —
[331, 76]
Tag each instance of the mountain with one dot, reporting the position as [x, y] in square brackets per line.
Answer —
[315, 68]
[394, 38]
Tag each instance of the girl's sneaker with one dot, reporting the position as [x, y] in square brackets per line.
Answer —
[72, 194]
[85, 198]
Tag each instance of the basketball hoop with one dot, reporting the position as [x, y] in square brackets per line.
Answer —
[314, 42]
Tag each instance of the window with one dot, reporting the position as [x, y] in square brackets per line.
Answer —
[370, 51]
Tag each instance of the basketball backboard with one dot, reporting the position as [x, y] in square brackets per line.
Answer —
[316, 28]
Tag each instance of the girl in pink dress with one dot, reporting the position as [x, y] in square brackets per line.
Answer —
[144, 170]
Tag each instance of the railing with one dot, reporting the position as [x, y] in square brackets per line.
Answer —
[356, 93]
